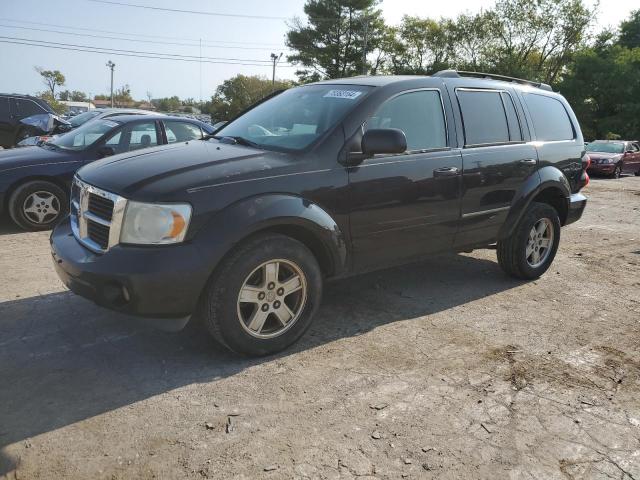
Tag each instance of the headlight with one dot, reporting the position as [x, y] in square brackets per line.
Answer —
[155, 224]
[607, 160]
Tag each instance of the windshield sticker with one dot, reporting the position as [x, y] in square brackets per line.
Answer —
[346, 94]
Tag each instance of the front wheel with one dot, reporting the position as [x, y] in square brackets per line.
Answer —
[529, 251]
[37, 205]
[264, 295]
[617, 172]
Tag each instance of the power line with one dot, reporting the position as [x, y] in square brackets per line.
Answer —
[107, 52]
[156, 42]
[136, 34]
[197, 12]
[171, 55]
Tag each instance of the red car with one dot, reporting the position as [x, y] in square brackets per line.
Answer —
[614, 157]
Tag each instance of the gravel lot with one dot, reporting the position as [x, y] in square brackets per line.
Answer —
[446, 369]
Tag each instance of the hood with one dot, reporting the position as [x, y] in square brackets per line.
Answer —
[598, 155]
[31, 156]
[156, 174]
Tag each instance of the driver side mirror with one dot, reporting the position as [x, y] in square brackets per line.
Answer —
[379, 141]
[106, 152]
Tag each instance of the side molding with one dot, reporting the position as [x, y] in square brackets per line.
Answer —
[543, 179]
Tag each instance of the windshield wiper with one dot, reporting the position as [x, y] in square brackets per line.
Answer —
[233, 140]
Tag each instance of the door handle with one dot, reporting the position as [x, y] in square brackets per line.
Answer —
[446, 172]
[528, 161]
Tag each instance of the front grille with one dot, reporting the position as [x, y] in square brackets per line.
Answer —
[98, 233]
[100, 206]
[96, 216]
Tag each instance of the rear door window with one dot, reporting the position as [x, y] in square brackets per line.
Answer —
[484, 117]
[515, 132]
[419, 115]
[26, 108]
[550, 119]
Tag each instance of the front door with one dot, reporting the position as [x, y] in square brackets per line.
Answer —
[404, 206]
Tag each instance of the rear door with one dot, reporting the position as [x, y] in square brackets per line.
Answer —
[496, 158]
[406, 205]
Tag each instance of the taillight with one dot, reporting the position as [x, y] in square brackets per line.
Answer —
[586, 162]
[584, 177]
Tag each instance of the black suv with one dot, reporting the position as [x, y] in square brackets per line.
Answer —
[14, 108]
[323, 181]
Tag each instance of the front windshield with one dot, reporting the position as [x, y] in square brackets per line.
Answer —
[85, 135]
[83, 117]
[606, 147]
[296, 117]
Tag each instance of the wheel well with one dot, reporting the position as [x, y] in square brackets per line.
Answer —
[553, 196]
[312, 242]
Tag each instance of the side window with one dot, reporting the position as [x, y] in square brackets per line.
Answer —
[26, 108]
[515, 132]
[483, 116]
[550, 119]
[181, 131]
[418, 114]
[114, 141]
[143, 135]
[5, 113]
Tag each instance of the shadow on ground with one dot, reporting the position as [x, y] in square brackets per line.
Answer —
[63, 360]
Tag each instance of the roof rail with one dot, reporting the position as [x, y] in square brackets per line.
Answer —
[492, 76]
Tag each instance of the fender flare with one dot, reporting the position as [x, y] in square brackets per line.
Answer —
[284, 213]
[546, 178]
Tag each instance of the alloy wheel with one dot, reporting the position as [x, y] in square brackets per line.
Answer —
[539, 243]
[41, 207]
[272, 298]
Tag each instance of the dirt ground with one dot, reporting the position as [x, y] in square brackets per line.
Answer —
[446, 369]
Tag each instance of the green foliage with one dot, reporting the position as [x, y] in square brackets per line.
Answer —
[57, 107]
[331, 43]
[630, 31]
[238, 93]
[170, 104]
[75, 96]
[52, 79]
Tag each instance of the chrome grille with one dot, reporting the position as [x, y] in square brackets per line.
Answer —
[96, 216]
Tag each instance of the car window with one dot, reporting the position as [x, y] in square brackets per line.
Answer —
[418, 114]
[484, 117]
[4, 108]
[26, 108]
[85, 135]
[181, 131]
[297, 117]
[636, 147]
[133, 136]
[550, 119]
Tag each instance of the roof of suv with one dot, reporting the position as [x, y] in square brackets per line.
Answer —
[39, 101]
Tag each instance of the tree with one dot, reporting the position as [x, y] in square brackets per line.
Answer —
[74, 96]
[239, 92]
[52, 79]
[57, 107]
[170, 104]
[336, 38]
[630, 31]
[122, 96]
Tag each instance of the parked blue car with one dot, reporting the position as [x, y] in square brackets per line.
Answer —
[35, 181]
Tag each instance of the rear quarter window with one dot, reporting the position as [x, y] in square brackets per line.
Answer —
[550, 119]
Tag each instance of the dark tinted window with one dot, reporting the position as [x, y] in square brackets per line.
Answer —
[26, 108]
[418, 114]
[484, 117]
[550, 119]
[4, 108]
[515, 133]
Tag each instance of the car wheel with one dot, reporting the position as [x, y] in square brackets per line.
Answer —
[37, 205]
[532, 246]
[264, 295]
[637, 174]
[617, 172]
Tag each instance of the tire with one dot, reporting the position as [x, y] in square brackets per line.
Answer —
[617, 172]
[637, 174]
[237, 325]
[38, 205]
[513, 252]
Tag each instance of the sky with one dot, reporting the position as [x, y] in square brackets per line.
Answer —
[228, 41]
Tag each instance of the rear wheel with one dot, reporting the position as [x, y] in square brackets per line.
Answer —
[264, 295]
[37, 205]
[532, 246]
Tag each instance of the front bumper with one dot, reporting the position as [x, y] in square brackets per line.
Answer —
[601, 169]
[156, 282]
[577, 204]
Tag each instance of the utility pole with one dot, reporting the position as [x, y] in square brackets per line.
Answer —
[111, 65]
[364, 48]
[275, 59]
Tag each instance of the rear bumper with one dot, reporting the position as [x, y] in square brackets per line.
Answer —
[577, 204]
[155, 282]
